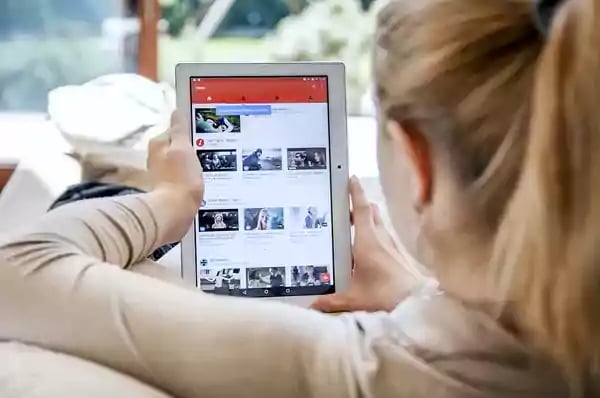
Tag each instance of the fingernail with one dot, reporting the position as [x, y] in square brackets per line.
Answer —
[354, 179]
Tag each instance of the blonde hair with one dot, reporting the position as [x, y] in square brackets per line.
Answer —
[519, 116]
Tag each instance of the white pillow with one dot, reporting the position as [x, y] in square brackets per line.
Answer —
[112, 117]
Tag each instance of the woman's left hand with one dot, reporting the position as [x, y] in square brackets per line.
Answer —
[173, 164]
[177, 175]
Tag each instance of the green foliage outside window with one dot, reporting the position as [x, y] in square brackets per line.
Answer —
[48, 43]
[332, 30]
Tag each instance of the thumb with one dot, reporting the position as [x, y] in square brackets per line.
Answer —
[362, 212]
[178, 132]
[337, 302]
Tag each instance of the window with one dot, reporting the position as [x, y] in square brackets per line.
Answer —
[271, 30]
[45, 44]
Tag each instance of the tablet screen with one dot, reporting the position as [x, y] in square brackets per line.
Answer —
[264, 228]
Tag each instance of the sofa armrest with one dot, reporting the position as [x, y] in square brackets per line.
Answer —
[6, 171]
[35, 183]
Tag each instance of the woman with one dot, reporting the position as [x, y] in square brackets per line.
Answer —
[219, 224]
[488, 156]
[262, 222]
[318, 161]
[215, 162]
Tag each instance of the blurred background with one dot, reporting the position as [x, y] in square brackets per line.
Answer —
[49, 43]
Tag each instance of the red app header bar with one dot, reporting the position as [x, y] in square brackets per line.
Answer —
[258, 90]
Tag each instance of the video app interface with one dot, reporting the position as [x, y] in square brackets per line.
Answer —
[264, 228]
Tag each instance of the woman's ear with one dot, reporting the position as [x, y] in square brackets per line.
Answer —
[409, 140]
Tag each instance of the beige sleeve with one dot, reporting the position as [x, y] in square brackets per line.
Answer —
[61, 288]
[120, 231]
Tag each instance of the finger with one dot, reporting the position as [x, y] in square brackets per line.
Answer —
[156, 146]
[179, 132]
[158, 142]
[337, 302]
[179, 137]
[361, 208]
[177, 119]
[376, 214]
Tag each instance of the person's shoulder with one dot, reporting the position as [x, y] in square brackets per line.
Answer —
[441, 343]
[446, 324]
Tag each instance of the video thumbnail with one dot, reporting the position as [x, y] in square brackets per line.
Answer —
[207, 121]
[261, 159]
[218, 220]
[306, 158]
[310, 275]
[265, 277]
[216, 280]
[218, 160]
[262, 219]
[310, 217]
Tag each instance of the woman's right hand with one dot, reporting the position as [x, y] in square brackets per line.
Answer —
[381, 276]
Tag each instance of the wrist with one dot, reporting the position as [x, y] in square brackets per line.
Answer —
[174, 209]
[398, 284]
[185, 198]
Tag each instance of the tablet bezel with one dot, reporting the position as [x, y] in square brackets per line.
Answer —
[338, 148]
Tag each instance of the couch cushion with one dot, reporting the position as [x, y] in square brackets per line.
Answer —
[31, 372]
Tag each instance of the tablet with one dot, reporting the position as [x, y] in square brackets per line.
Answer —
[272, 142]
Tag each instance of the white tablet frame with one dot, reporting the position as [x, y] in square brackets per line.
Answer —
[338, 148]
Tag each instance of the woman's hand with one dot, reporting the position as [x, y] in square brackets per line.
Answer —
[173, 164]
[177, 175]
[381, 277]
